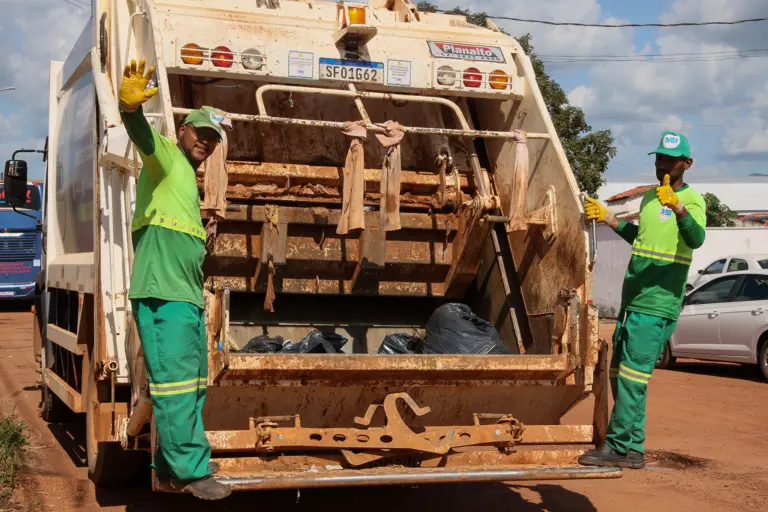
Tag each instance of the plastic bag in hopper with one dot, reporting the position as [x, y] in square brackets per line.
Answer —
[454, 329]
[401, 343]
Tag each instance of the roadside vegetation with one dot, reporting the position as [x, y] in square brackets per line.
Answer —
[13, 441]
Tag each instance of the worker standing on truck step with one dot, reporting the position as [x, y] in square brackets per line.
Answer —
[671, 226]
[167, 283]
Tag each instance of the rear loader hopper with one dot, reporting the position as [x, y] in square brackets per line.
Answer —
[323, 218]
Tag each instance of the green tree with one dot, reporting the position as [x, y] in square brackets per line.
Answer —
[587, 151]
[718, 214]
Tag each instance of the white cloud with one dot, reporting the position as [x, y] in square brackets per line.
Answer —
[651, 96]
[34, 32]
[746, 135]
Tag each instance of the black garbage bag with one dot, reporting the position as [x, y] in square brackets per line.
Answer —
[401, 343]
[316, 342]
[263, 344]
[454, 329]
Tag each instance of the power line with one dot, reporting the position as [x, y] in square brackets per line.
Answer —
[653, 61]
[546, 55]
[79, 6]
[617, 25]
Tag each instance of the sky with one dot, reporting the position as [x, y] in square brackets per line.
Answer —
[720, 103]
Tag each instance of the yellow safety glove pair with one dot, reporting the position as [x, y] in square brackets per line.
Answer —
[133, 89]
[667, 196]
[596, 211]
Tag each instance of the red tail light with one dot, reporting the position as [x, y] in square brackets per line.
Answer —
[222, 57]
[472, 78]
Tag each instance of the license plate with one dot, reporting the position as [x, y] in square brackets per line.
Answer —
[352, 70]
[6, 294]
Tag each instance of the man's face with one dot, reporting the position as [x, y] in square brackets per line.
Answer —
[674, 166]
[198, 143]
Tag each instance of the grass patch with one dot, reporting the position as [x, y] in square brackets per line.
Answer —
[13, 439]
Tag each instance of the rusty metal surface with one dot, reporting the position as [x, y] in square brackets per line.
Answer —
[268, 436]
[323, 403]
[404, 367]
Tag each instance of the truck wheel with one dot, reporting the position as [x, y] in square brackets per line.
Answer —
[53, 408]
[666, 359]
[108, 464]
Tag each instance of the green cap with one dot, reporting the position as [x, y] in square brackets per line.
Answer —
[673, 144]
[206, 117]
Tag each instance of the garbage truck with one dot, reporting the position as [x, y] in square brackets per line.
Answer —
[382, 162]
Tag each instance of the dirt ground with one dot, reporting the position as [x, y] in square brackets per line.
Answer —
[707, 436]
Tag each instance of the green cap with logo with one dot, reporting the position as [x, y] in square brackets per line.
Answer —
[207, 117]
[673, 144]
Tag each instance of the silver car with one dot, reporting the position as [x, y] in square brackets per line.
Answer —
[725, 319]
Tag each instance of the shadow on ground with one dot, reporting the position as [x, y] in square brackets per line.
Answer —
[71, 437]
[488, 497]
[715, 369]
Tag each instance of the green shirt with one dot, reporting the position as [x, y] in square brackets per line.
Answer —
[167, 231]
[662, 249]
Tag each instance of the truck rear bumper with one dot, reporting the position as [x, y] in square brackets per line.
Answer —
[408, 476]
[17, 291]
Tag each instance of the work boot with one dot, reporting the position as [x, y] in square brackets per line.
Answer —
[207, 488]
[604, 455]
[636, 459]
[214, 466]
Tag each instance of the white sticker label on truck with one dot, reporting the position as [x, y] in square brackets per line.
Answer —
[466, 51]
[6, 294]
[399, 72]
[352, 70]
[301, 64]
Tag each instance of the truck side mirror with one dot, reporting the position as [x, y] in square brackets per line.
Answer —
[15, 182]
[701, 271]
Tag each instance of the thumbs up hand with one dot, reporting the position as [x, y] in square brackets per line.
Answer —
[667, 196]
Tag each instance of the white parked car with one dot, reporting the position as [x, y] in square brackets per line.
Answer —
[726, 319]
[728, 264]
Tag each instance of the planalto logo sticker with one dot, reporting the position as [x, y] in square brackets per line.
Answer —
[466, 52]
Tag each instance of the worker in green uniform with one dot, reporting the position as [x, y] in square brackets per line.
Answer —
[167, 283]
[671, 226]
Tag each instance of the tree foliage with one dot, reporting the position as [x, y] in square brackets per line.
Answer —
[587, 151]
[718, 214]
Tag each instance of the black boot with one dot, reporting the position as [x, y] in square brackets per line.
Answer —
[205, 488]
[604, 455]
[636, 459]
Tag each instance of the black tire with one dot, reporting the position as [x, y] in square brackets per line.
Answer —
[115, 467]
[666, 359]
[762, 358]
[53, 408]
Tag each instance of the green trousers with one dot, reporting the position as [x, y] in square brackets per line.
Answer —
[176, 356]
[637, 344]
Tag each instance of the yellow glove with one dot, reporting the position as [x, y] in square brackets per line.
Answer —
[596, 211]
[132, 88]
[667, 196]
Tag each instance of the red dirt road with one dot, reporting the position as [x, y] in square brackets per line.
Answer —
[707, 430]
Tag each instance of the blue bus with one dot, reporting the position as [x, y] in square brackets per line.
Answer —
[20, 245]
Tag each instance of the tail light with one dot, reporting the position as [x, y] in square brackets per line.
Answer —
[472, 78]
[252, 59]
[446, 75]
[498, 80]
[356, 15]
[192, 54]
[222, 57]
